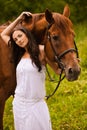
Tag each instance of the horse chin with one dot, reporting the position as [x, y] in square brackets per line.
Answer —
[71, 78]
[72, 73]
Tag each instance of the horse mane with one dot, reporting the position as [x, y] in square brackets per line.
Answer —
[6, 24]
[64, 23]
[3, 26]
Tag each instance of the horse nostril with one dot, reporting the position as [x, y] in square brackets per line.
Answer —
[70, 70]
[74, 71]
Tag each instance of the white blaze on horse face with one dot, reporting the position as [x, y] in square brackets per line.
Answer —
[20, 38]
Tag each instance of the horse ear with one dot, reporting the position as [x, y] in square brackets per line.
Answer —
[48, 16]
[66, 11]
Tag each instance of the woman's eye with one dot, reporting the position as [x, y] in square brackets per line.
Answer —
[55, 37]
[20, 35]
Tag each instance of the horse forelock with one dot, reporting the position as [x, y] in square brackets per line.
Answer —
[63, 23]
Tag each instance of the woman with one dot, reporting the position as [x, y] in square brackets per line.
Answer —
[29, 107]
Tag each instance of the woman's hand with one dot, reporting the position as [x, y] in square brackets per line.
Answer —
[24, 15]
[6, 33]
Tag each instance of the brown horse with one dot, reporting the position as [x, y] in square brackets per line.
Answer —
[55, 32]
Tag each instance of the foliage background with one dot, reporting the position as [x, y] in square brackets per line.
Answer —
[68, 107]
[12, 8]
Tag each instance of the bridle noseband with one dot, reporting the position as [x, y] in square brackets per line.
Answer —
[60, 56]
[58, 59]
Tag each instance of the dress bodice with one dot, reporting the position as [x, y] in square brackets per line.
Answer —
[30, 82]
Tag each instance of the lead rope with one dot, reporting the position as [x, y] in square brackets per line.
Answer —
[60, 79]
[50, 78]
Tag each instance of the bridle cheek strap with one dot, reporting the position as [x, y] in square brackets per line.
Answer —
[59, 62]
[60, 56]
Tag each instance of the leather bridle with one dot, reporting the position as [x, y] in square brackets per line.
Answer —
[60, 56]
[58, 59]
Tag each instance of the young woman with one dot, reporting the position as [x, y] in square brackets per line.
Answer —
[29, 107]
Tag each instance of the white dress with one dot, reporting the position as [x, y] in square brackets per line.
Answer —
[29, 108]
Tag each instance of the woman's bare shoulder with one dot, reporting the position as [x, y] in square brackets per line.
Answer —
[42, 53]
[41, 47]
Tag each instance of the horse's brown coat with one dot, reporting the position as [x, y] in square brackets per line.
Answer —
[38, 23]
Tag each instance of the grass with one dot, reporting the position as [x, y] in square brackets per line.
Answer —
[68, 107]
[8, 115]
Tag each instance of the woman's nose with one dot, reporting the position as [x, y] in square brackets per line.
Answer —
[19, 40]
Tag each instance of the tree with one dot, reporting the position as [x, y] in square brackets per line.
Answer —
[12, 8]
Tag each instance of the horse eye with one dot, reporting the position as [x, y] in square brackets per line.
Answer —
[55, 37]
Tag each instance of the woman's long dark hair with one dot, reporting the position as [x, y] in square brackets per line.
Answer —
[32, 47]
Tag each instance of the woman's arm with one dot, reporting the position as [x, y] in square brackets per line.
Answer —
[53, 65]
[5, 35]
[45, 60]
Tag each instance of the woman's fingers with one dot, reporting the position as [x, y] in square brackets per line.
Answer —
[24, 16]
[26, 13]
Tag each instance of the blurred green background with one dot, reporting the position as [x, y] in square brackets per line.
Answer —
[12, 8]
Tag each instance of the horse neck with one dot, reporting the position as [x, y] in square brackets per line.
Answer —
[2, 27]
[40, 30]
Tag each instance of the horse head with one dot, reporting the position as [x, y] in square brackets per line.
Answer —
[56, 32]
[60, 45]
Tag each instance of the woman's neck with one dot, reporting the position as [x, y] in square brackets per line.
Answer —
[26, 55]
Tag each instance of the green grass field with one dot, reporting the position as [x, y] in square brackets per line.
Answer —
[68, 107]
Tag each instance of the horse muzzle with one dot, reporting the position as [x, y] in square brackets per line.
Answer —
[72, 73]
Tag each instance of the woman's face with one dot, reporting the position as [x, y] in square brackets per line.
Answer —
[20, 38]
